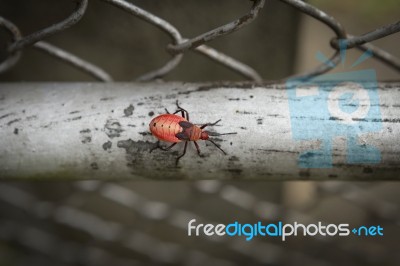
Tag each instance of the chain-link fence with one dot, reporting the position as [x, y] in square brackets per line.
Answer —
[180, 45]
[142, 223]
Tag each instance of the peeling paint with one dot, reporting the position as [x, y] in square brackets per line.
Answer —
[32, 117]
[136, 152]
[13, 121]
[86, 136]
[132, 147]
[73, 119]
[6, 115]
[94, 166]
[106, 99]
[113, 128]
[233, 158]
[107, 145]
[128, 111]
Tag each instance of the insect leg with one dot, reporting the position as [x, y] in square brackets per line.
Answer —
[169, 147]
[180, 156]
[219, 147]
[185, 114]
[158, 146]
[210, 124]
[197, 147]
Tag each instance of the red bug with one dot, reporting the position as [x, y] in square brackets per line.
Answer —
[174, 128]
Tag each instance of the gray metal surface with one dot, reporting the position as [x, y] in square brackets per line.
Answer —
[94, 130]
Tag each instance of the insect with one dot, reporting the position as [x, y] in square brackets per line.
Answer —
[174, 128]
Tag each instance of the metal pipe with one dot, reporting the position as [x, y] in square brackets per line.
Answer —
[93, 130]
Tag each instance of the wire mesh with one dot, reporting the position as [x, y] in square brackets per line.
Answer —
[143, 224]
[180, 45]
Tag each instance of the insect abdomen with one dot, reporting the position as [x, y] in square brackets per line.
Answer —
[165, 127]
[195, 133]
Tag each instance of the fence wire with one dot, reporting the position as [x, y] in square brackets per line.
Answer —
[130, 209]
[180, 45]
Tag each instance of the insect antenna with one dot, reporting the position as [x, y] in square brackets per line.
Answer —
[220, 134]
[217, 146]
